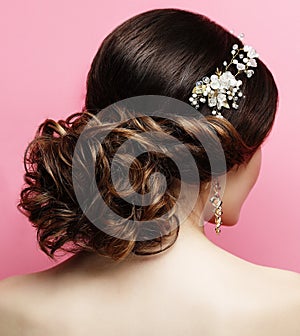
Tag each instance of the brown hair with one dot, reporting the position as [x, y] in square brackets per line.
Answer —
[159, 52]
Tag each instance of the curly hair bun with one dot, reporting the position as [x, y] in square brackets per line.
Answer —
[60, 168]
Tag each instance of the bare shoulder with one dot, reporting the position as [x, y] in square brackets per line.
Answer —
[14, 301]
[13, 287]
[271, 306]
[10, 321]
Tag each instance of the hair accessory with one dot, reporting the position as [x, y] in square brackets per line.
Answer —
[222, 89]
[217, 203]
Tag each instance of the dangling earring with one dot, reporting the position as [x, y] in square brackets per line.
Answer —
[217, 203]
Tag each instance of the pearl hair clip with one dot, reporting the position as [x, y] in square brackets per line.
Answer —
[222, 89]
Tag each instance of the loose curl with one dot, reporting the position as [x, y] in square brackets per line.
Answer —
[155, 52]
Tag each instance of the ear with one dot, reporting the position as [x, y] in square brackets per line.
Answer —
[238, 186]
[239, 182]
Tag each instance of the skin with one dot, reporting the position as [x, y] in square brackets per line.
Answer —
[193, 288]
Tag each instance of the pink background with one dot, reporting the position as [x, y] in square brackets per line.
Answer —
[46, 51]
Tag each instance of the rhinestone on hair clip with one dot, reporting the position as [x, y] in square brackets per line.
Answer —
[222, 89]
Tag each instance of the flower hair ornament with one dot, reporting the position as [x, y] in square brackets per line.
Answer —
[222, 89]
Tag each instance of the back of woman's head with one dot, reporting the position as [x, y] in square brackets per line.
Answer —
[159, 52]
[164, 52]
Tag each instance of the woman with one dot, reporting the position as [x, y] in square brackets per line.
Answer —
[125, 278]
